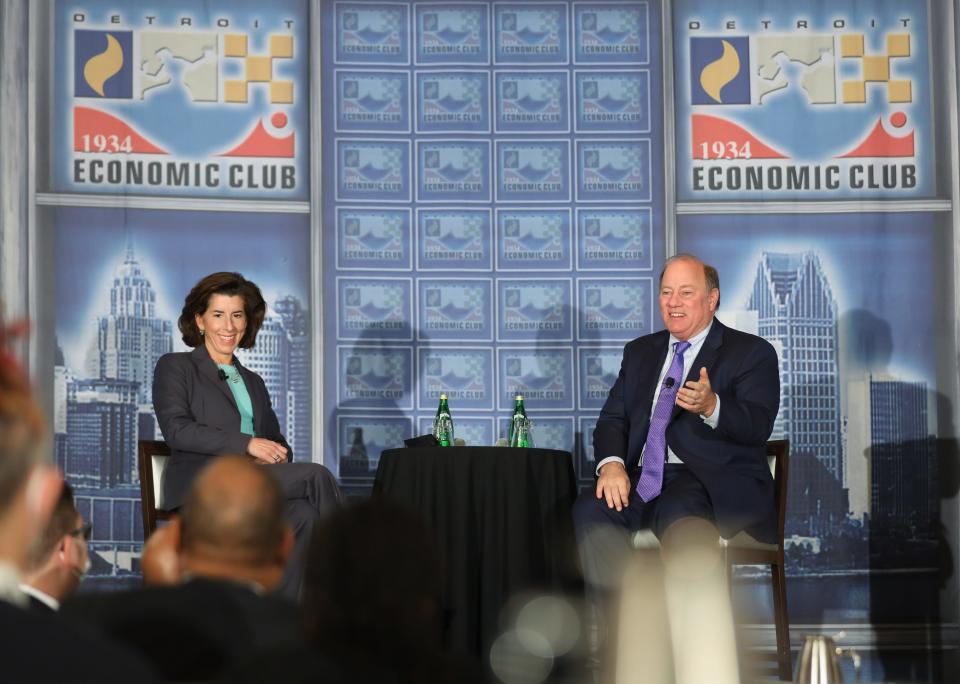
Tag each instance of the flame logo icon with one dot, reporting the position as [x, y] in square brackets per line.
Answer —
[100, 68]
[719, 73]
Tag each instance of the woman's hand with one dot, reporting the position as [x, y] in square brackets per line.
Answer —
[267, 451]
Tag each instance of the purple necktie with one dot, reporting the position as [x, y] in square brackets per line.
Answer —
[655, 450]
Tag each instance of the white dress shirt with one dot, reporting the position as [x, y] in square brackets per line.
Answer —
[46, 599]
[689, 356]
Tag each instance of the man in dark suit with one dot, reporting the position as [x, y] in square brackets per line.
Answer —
[680, 441]
[38, 646]
[228, 553]
[59, 558]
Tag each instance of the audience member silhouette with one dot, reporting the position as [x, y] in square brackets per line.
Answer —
[59, 557]
[229, 550]
[371, 605]
[38, 646]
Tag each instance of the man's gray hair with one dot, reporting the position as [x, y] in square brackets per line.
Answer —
[709, 272]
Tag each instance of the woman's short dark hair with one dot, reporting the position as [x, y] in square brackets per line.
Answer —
[222, 283]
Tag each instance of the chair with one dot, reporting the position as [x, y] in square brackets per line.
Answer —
[742, 549]
[151, 461]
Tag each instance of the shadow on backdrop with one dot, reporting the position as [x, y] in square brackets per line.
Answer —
[377, 378]
[898, 473]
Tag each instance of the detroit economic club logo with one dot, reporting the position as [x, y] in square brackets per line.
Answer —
[801, 110]
[184, 108]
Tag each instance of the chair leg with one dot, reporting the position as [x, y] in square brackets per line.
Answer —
[781, 621]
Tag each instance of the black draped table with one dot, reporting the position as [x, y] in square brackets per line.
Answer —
[502, 522]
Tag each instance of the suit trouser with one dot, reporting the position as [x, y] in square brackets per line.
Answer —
[692, 594]
[603, 533]
[310, 493]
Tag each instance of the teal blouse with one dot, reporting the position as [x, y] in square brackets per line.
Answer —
[242, 396]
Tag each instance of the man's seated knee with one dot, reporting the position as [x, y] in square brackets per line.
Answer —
[690, 547]
[585, 508]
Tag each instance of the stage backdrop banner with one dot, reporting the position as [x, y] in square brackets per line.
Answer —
[833, 101]
[168, 100]
[208, 100]
[811, 100]
[859, 399]
[122, 276]
[495, 205]
[491, 172]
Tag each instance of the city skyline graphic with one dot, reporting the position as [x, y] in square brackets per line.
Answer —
[849, 456]
[859, 400]
[103, 404]
[851, 460]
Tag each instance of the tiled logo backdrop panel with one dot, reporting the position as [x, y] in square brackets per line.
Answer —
[492, 203]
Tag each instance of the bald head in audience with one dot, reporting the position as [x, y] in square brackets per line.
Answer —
[231, 527]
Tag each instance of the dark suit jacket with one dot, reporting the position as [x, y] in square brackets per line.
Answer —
[40, 646]
[730, 460]
[192, 632]
[199, 417]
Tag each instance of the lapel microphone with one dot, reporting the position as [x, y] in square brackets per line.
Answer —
[668, 383]
[222, 374]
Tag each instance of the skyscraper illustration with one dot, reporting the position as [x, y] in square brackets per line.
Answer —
[101, 417]
[797, 312]
[299, 420]
[904, 499]
[95, 433]
[61, 378]
[131, 338]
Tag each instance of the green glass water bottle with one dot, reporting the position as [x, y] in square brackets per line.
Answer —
[519, 425]
[443, 423]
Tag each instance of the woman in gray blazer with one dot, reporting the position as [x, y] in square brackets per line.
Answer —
[208, 404]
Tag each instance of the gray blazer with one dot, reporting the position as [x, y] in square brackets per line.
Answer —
[199, 417]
